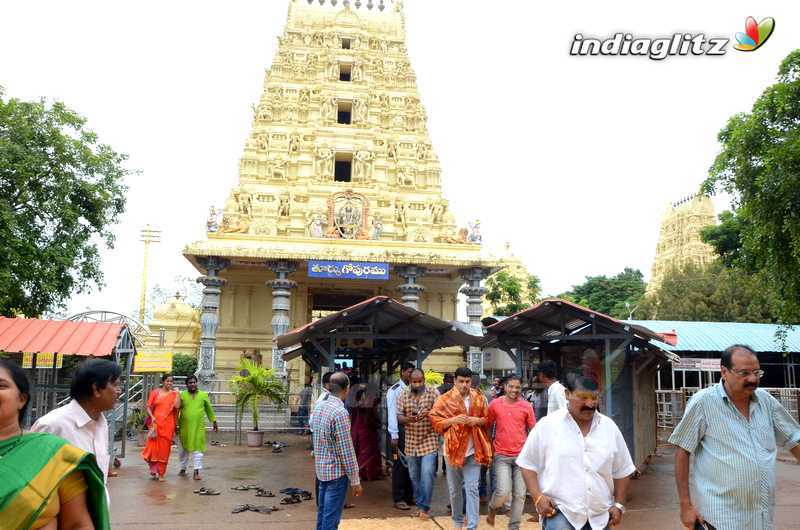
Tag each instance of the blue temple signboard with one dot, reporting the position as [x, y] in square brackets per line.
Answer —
[352, 270]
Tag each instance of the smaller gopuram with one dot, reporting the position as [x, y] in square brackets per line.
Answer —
[338, 198]
[679, 242]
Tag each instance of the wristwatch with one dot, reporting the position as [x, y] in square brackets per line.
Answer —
[619, 506]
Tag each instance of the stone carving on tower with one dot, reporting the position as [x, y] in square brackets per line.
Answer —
[340, 110]
[679, 242]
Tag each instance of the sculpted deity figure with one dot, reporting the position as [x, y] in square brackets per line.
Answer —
[315, 224]
[357, 72]
[245, 202]
[377, 227]
[391, 151]
[304, 98]
[386, 103]
[324, 162]
[333, 68]
[400, 212]
[212, 225]
[356, 42]
[262, 142]
[307, 38]
[276, 168]
[284, 206]
[423, 150]
[360, 111]
[328, 110]
[475, 232]
[294, 144]
[363, 164]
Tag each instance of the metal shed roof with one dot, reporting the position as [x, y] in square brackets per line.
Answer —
[716, 336]
[31, 335]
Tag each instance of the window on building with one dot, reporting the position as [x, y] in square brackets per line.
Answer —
[346, 44]
[344, 112]
[344, 71]
[343, 167]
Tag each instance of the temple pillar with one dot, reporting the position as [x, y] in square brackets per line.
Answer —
[209, 318]
[474, 292]
[281, 306]
[410, 289]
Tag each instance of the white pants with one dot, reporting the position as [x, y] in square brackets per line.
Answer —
[197, 459]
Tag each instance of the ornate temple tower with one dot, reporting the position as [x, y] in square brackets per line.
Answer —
[338, 166]
[679, 242]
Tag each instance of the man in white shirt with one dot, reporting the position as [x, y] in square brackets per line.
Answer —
[575, 463]
[402, 488]
[94, 390]
[548, 376]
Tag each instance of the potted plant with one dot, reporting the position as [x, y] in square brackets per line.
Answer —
[136, 421]
[253, 385]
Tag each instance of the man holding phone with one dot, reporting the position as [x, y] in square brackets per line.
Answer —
[421, 443]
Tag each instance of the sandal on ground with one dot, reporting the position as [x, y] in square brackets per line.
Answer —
[245, 487]
[240, 508]
[290, 499]
[277, 449]
[402, 506]
[261, 509]
[182, 473]
[305, 495]
[348, 505]
[261, 492]
[207, 491]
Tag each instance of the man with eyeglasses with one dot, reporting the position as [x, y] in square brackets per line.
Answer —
[575, 463]
[733, 430]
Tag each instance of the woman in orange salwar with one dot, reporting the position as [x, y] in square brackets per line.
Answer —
[162, 410]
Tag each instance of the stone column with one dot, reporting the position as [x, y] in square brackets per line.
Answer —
[281, 305]
[410, 290]
[209, 318]
[474, 292]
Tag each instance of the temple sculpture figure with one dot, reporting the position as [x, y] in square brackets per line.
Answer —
[338, 167]
[679, 242]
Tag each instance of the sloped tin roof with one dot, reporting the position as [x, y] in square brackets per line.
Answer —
[66, 337]
[716, 336]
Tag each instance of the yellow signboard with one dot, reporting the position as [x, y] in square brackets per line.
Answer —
[148, 361]
[43, 360]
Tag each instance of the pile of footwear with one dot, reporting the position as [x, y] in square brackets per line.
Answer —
[277, 446]
[295, 495]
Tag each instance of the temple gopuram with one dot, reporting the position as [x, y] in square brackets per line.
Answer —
[679, 242]
[339, 197]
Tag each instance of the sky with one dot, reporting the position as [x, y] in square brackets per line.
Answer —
[571, 159]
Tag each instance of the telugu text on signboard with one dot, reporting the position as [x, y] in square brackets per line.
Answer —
[353, 270]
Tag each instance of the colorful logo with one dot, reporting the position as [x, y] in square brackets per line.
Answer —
[755, 34]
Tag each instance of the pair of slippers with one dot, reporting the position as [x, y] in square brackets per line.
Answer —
[215, 443]
[253, 508]
[261, 492]
[291, 499]
[207, 491]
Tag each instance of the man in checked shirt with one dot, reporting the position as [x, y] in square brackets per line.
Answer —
[334, 457]
[421, 443]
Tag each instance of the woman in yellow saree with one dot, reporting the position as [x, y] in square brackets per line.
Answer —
[47, 483]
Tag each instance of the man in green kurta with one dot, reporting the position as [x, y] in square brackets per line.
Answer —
[195, 407]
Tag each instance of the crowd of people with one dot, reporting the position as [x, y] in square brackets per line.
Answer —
[554, 445]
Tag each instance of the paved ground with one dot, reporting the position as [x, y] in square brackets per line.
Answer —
[141, 503]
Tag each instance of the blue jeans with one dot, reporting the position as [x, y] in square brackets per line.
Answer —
[422, 470]
[559, 522]
[330, 502]
[468, 477]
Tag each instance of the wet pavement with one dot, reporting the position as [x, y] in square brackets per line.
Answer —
[138, 502]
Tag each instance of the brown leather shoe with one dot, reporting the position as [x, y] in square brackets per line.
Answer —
[491, 512]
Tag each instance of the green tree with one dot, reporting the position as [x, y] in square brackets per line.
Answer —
[726, 239]
[711, 293]
[759, 165]
[60, 193]
[616, 296]
[183, 365]
[507, 294]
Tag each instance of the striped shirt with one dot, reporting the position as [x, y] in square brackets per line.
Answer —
[733, 480]
[334, 455]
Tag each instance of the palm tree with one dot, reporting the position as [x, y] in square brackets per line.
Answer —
[254, 384]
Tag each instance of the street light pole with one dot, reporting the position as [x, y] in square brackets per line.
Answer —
[147, 235]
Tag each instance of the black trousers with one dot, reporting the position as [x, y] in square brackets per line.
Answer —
[402, 488]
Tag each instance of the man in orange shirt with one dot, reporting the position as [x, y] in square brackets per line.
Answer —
[460, 415]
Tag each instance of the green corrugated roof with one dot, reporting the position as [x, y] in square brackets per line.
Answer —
[716, 336]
